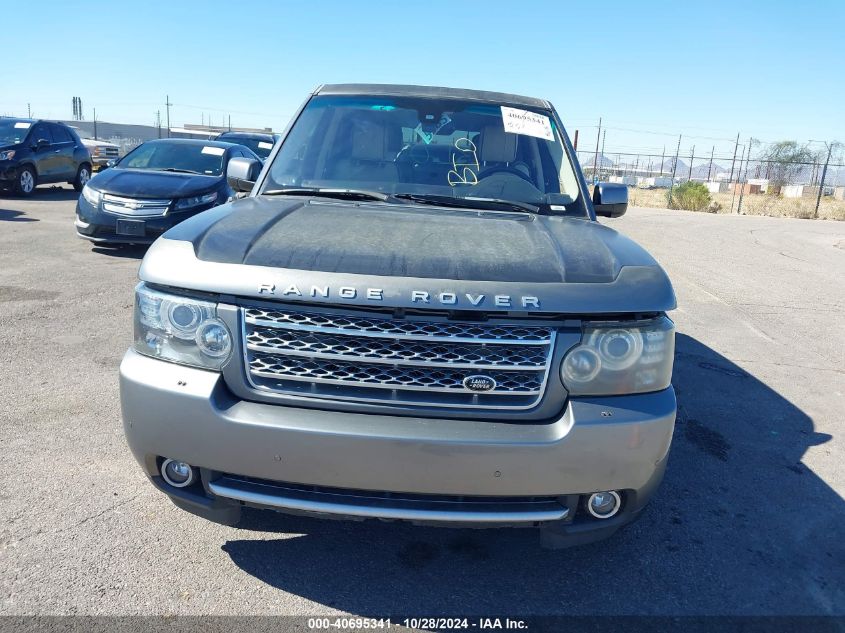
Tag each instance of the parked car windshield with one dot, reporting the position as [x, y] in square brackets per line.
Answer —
[175, 156]
[13, 132]
[261, 147]
[441, 148]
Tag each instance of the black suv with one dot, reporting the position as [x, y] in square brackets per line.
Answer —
[259, 143]
[36, 153]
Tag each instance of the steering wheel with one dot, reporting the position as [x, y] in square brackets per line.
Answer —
[413, 153]
[504, 169]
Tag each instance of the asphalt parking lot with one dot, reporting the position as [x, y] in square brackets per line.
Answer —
[749, 519]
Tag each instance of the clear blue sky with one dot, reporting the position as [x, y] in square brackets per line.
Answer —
[773, 70]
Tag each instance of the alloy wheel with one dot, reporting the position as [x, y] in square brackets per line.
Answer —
[27, 181]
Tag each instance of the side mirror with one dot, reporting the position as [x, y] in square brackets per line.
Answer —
[610, 199]
[110, 163]
[242, 173]
[42, 143]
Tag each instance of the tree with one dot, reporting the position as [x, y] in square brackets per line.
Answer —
[786, 159]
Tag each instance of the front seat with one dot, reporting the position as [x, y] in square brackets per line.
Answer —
[370, 155]
[498, 149]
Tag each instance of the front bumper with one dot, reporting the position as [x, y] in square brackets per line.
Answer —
[334, 463]
[95, 225]
[9, 170]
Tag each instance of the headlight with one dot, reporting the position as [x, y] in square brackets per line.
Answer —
[9, 154]
[196, 201]
[621, 358]
[91, 195]
[180, 329]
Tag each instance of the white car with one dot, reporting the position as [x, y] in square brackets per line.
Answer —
[101, 152]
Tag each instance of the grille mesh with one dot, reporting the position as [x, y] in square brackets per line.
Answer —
[440, 329]
[411, 362]
[396, 350]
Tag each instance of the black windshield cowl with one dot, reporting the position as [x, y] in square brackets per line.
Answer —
[468, 202]
[180, 171]
[342, 194]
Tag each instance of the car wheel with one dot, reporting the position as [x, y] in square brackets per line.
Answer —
[26, 182]
[82, 177]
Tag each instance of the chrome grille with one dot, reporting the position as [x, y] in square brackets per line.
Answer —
[410, 361]
[139, 207]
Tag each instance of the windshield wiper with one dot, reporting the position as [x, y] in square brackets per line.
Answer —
[469, 202]
[343, 194]
[179, 171]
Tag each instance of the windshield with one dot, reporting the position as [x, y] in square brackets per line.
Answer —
[176, 156]
[13, 132]
[437, 148]
[259, 146]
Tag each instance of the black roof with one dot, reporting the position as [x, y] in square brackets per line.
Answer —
[431, 92]
[262, 136]
[194, 141]
[23, 119]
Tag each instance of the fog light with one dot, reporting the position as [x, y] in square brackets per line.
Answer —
[604, 505]
[178, 474]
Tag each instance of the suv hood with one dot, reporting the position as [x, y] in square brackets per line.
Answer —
[409, 256]
[147, 183]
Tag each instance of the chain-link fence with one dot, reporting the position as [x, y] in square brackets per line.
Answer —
[735, 184]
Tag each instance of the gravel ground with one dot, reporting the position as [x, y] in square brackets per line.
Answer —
[748, 521]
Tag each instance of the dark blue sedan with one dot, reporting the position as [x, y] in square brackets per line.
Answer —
[154, 187]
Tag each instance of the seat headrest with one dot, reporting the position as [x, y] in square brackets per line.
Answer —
[497, 146]
[376, 142]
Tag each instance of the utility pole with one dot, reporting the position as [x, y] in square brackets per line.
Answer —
[741, 184]
[28, 112]
[230, 122]
[574, 145]
[168, 104]
[736, 147]
[824, 174]
[691, 158]
[674, 169]
[596, 157]
[710, 169]
[158, 122]
[662, 158]
[95, 124]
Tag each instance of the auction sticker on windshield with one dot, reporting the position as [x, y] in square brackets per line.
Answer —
[22, 125]
[524, 122]
[214, 151]
[265, 145]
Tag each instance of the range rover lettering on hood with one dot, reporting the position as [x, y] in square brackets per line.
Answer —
[447, 298]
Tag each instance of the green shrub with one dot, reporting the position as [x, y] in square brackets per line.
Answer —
[692, 196]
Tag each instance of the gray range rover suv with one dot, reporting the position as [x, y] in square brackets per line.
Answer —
[414, 315]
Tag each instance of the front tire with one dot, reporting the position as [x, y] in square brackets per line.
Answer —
[82, 176]
[26, 182]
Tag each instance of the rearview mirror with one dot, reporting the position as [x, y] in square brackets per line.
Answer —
[610, 199]
[242, 173]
